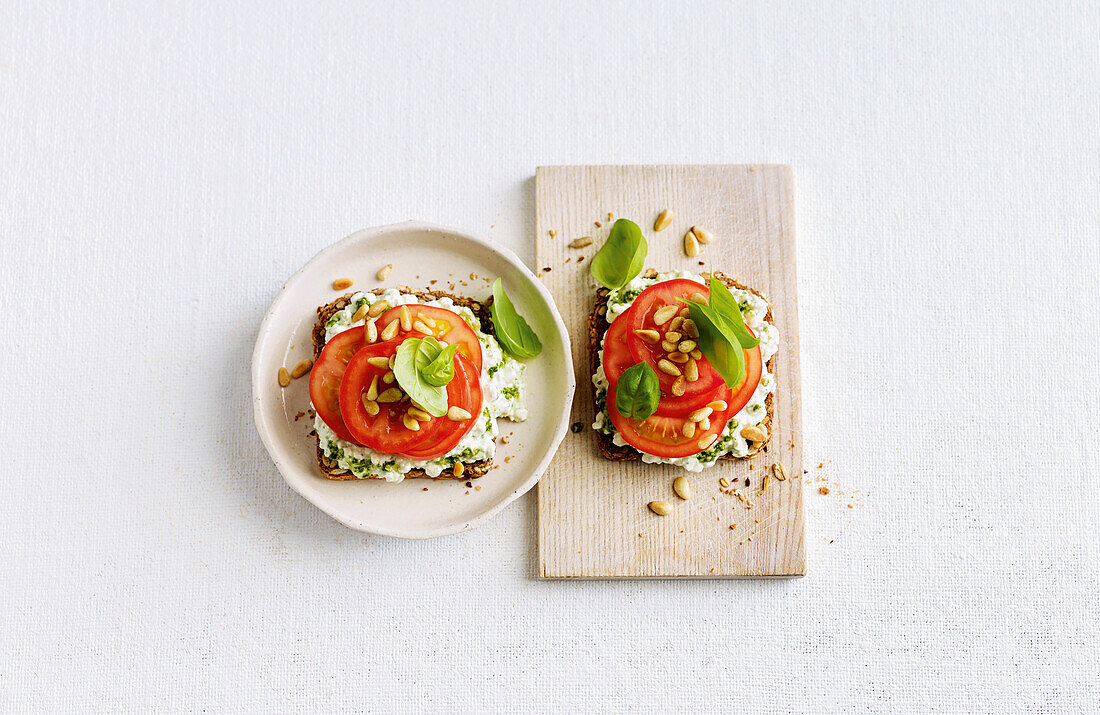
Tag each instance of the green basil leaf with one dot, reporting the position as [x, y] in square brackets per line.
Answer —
[718, 343]
[441, 370]
[414, 356]
[722, 301]
[637, 392]
[621, 257]
[513, 332]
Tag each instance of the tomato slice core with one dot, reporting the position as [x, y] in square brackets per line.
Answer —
[444, 325]
[327, 374]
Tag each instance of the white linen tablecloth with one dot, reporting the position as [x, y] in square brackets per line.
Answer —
[164, 167]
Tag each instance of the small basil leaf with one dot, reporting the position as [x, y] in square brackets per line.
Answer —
[441, 370]
[414, 355]
[637, 392]
[718, 343]
[722, 301]
[621, 257]
[513, 332]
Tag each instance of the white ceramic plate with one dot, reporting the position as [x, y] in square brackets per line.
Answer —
[419, 253]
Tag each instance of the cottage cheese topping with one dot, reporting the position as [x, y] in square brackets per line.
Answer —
[753, 309]
[503, 387]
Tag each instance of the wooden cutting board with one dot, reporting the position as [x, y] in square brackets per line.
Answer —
[593, 519]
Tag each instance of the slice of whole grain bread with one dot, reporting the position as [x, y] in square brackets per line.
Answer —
[597, 327]
[329, 468]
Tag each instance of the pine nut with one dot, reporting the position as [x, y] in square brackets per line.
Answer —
[663, 220]
[676, 324]
[691, 245]
[679, 386]
[700, 414]
[668, 368]
[677, 357]
[664, 314]
[301, 368]
[420, 414]
[706, 442]
[372, 391]
[581, 242]
[690, 328]
[704, 424]
[390, 330]
[650, 336]
[717, 405]
[724, 483]
[780, 472]
[684, 312]
[284, 377]
[459, 469]
[410, 423]
[405, 317]
[682, 487]
[359, 314]
[372, 331]
[378, 308]
[384, 271]
[697, 354]
[701, 234]
[388, 377]
[342, 284]
[420, 327]
[688, 430]
[667, 346]
[753, 434]
[672, 336]
[370, 406]
[379, 361]
[691, 370]
[391, 395]
[686, 346]
[426, 319]
[660, 508]
[699, 298]
[393, 360]
[457, 414]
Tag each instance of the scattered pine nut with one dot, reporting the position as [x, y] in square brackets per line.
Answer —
[301, 368]
[663, 220]
[342, 284]
[378, 308]
[767, 479]
[780, 472]
[701, 234]
[581, 242]
[661, 508]
[682, 487]
[384, 271]
[284, 377]
[691, 245]
[724, 483]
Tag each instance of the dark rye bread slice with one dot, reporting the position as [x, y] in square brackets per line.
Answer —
[597, 327]
[330, 469]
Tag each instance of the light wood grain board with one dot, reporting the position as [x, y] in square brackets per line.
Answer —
[593, 520]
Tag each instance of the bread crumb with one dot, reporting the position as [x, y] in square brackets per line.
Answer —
[823, 490]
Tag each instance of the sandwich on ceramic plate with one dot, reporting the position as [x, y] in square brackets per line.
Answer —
[411, 383]
[683, 364]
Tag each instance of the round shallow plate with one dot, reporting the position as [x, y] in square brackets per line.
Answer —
[420, 253]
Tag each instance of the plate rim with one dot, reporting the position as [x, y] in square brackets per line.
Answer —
[502, 252]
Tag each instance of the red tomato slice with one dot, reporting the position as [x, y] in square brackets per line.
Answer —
[753, 369]
[662, 435]
[444, 325]
[640, 317]
[326, 376]
[464, 390]
[616, 354]
[384, 431]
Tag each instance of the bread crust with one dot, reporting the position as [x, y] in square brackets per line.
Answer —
[597, 328]
[330, 469]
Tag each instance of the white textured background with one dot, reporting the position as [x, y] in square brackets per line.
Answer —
[164, 168]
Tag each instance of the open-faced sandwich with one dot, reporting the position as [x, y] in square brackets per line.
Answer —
[411, 383]
[682, 363]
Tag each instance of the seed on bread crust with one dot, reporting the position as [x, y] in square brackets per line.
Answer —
[378, 308]
[342, 283]
[284, 377]
[663, 220]
[301, 368]
[459, 468]
[384, 271]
